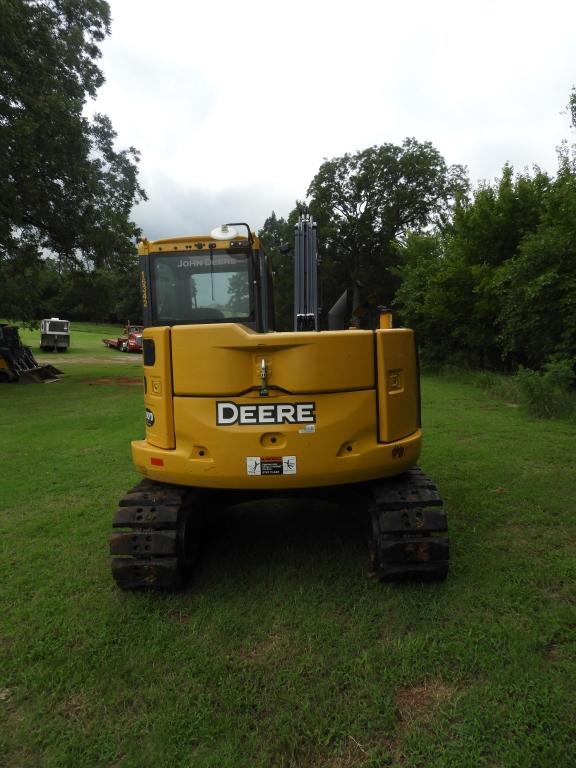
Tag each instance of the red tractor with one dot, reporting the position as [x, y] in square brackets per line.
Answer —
[130, 341]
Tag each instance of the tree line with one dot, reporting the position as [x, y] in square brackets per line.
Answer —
[495, 288]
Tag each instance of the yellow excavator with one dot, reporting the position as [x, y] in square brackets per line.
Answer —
[236, 411]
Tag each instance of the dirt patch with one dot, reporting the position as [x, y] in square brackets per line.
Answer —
[262, 650]
[119, 381]
[561, 591]
[84, 359]
[75, 707]
[553, 653]
[420, 702]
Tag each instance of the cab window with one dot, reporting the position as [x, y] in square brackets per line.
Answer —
[201, 288]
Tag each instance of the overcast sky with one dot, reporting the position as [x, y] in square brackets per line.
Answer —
[234, 105]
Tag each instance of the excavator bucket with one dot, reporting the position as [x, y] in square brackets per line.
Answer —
[17, 363]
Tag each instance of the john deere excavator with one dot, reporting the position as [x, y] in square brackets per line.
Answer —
[236, 411]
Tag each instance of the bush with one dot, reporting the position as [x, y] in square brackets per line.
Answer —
[499, 385]
[548, 393]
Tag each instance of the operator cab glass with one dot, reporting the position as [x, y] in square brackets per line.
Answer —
[204, 287]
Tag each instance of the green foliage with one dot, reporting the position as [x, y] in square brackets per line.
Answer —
[100, 295]
[445, 300]
[365, 202]
[548, 393]
[538, 313]
[64, 188]
[489, 229]
[496, 288]
[78, 294]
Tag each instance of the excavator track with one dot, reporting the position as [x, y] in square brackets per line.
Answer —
[408, 529]
[160, 542]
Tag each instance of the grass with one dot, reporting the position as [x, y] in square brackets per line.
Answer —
[281, 651]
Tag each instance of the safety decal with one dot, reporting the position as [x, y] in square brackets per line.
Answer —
[271, 465]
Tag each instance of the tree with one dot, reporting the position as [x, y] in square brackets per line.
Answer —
[64, 189]
[538, 313]
[489, 228]
[494, 288]
[444, 299]
[367, 201]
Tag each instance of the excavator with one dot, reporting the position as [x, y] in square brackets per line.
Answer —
[237, 412]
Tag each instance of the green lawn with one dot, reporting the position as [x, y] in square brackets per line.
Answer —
[282, 652]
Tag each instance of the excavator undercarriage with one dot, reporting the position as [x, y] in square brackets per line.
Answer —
[162, 529]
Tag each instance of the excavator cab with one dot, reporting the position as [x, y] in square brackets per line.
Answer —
[223, 278]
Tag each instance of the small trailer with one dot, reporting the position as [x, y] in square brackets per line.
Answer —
[54, 334]
[130, 341]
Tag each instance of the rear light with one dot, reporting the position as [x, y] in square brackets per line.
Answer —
[156, 462]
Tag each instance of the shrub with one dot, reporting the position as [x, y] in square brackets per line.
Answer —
[548, 393]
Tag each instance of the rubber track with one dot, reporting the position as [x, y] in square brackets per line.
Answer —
[151, 553]
[409, 528]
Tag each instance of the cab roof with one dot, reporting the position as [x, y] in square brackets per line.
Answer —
[193, 242]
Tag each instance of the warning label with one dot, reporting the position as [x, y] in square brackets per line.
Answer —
[271, 465]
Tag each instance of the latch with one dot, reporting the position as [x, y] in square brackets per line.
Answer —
[263, 378]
